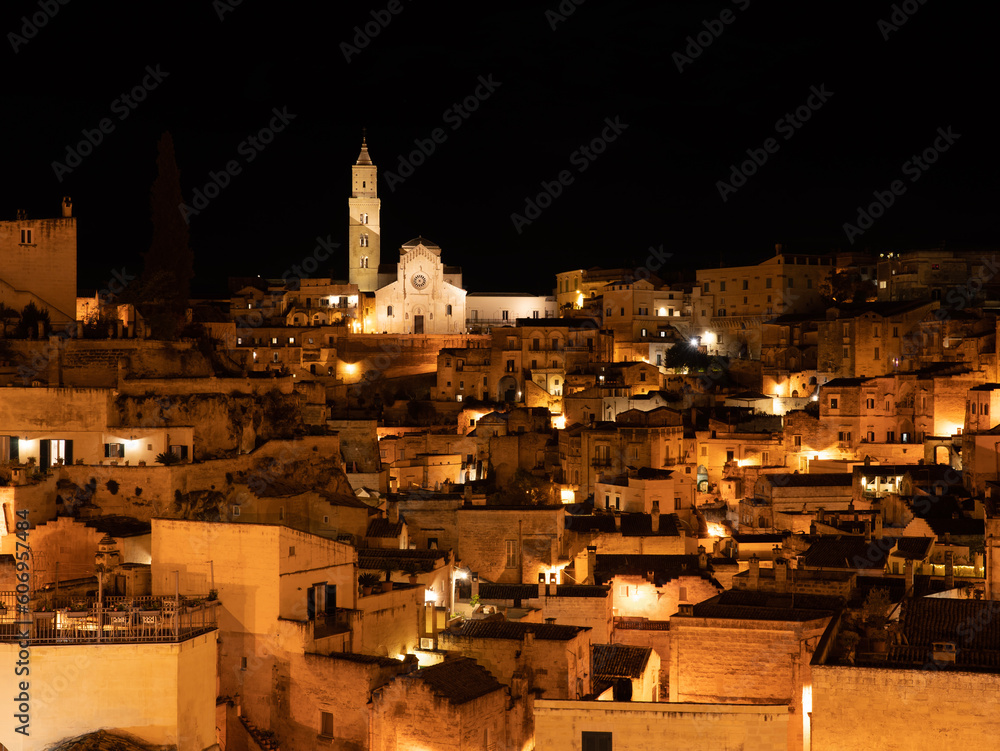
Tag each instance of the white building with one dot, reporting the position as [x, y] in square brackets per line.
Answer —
[427, 296]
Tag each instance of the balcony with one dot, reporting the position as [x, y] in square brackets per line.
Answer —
[120, 620]
[341, 621]
[600, 461]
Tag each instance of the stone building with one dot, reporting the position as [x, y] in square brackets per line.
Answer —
[364, 235]
[425, 297]
[730, 304]
[38, 264]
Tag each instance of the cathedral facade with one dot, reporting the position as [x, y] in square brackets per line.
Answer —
[416, 295]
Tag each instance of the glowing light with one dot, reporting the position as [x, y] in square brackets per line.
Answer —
[429, 595]
[460, 574]
[350, 368]
[566, 495]
[717, 530]
[662, 312]
[694, 341]
[559, 422]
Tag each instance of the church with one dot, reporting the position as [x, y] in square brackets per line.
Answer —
[416, 295]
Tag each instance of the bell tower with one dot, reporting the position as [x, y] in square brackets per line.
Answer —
[364, 231]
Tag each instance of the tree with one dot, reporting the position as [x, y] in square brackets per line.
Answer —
[31, 315]
[847, 286]
[163, 291]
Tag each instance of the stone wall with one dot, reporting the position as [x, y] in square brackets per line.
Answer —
[536, 532]
[638, 726]
[955, 709]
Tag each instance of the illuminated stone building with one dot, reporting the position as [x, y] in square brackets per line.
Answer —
[38, 264]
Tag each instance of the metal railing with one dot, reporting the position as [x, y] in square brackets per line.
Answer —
[75, 620]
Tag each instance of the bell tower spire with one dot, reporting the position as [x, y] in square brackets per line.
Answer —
[364, 230]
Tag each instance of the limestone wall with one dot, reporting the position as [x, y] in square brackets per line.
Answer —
[955, 709]
[637, 726]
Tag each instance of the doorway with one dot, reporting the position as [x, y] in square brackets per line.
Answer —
[418, 324]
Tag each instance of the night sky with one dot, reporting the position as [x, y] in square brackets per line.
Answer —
[551, 92]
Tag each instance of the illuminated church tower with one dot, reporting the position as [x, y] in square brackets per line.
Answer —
[364, 238]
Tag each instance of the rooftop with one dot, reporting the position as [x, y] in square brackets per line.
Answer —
[618, 661]
[497, 629]
[458, 680]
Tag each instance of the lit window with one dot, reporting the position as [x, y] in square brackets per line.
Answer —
[511, 551]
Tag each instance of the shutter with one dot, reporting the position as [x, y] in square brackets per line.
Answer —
[184, 452]
[68, 453]
[311, 603]
[331, 599]
[44, 454]
[107, 450]
[15, 453]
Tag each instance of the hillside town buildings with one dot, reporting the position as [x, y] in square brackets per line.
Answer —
[387, 513]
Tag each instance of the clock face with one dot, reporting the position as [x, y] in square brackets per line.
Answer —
[419, 281]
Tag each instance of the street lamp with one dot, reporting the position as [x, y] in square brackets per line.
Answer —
[106, 559]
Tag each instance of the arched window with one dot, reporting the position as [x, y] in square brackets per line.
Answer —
[388, 311]
[364, 262]
[364, 241]
[448, 310]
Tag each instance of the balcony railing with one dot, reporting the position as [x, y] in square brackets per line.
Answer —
[119, 620]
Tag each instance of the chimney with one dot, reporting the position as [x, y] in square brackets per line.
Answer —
[474, 578]
[878, 526]
[754, 584]
[67, 207]
[868, 530]
[781, 575]
[908, 576]
[820, 515]
[702, 558]
[591, 564]
[656, 517]
[542, 591]
[949, 569]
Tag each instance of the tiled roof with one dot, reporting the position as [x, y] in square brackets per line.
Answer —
[374, 559]
[664, 567]
[618, 661]
[972, 624]
[488, 591]
[746, 605]
[632, 525]
[843, 551]
[458, 680]
[516, 630]
[383, 528]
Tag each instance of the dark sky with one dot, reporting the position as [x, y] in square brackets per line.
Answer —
[655, 183]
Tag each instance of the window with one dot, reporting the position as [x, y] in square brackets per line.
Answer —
[871, 436]
[26, 237]
[243, 663]
[767, 283]
[809, 283]
[704, 450]
[388, 311]
[833, 402]
[510, 366]
[608, 313]
[504, 314]
[511, 552]
[875, 334]
[890, 436]
[291, 551]
[791, 283]
[623, 311]
[797, 441]
[447, 310]
[722, 286]
[844, 436]
[114, 450]
[764, 458]
[870, 403]
[704, 287]
[595, 741]
[364, 241]
[895, 331]
[179, 450]
[876, 353]
[236, 510]
[986, 409]
[326, 724]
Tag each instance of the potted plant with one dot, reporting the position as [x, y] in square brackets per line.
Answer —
[367, 582]
[388, 569]
[413, 569]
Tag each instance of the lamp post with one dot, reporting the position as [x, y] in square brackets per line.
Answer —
[106, 559]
